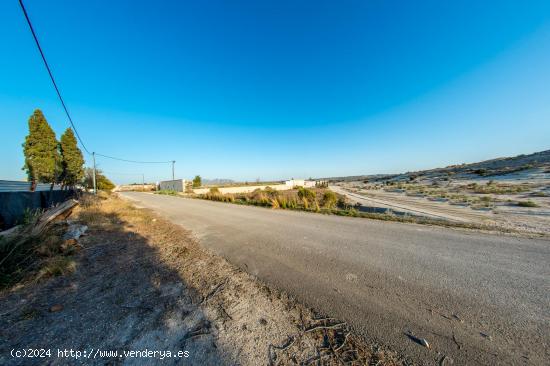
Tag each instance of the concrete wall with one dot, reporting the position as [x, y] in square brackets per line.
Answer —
[243, 189]
[295, 183]
[135, 187]
[177, 185]
[300, 183]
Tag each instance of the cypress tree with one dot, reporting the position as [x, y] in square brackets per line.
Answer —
[41, 149]
[72, 160]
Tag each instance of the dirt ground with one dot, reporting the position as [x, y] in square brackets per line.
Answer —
[143, 284]
[453, 200]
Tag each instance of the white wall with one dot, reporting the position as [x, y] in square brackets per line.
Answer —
[243, 189]
[177, 185]
[300, 183]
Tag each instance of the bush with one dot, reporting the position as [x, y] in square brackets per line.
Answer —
[527, 203]
[214, 190]
[256, 194]
[306, 194]
[168, 192]
[271, 192]
[316, 207]
[197, 181]
[329, 199]
[343, 202]
[292, 203]
[282, 201]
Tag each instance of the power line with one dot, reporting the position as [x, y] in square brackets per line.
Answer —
[135, 161]
[116, 173]
[65, 107]
[51, 75]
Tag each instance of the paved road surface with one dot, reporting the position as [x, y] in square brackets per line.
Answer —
[478, 299]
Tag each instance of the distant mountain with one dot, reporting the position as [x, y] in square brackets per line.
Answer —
[217, 181]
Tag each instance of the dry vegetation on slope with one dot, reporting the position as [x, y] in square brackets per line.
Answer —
[141, 282]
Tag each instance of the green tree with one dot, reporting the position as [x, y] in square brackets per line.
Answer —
[41, 150]
[102, 182]
[72, 161]
[197, 181]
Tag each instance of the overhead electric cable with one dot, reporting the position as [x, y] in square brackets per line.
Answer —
[65, 107]
[134, 161]
[51, 75]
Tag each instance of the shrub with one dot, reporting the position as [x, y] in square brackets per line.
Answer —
[256, 194]
[214, 190]
[167, 192]
[527, 203]
[271, 192]
[197, 181]
[282, 201]
[343, 203]
[292, 203]
[329, 199]
[274, 203]
[305, 193]
[262, 200]
[316, 207]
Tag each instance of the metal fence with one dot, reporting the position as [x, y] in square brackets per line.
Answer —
[18, 186]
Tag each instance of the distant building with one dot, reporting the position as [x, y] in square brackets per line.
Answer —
[295, 183]
[177, 185]
[292, 183]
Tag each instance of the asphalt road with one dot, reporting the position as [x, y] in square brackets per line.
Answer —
[476, 298]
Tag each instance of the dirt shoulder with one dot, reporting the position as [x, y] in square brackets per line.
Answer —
[142, 283]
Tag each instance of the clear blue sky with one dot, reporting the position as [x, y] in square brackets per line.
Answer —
[279, 89]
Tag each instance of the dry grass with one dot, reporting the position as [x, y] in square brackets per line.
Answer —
[56, 266]
[497, 188]
[304, 199]
[34, 258]
[527, 203]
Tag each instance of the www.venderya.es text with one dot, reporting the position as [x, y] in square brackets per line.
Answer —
[94, 353]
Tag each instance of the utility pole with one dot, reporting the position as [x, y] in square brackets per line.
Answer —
[95, 187]
[143, 181]
[173, 162]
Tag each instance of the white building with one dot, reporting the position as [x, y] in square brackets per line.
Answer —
[292, 183]
[295, 183]
[177, 185]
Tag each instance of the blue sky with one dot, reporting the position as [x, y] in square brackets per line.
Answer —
[279, 89]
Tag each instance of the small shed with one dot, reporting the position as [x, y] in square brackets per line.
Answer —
[177, 185]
